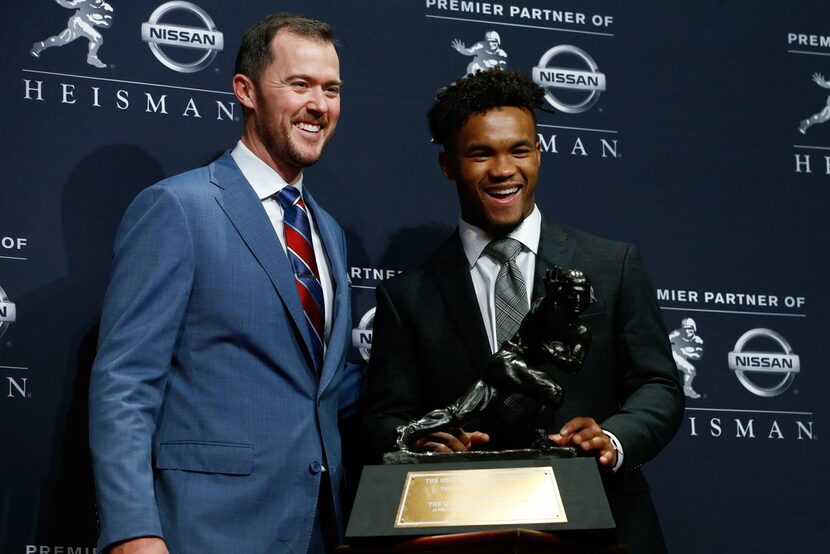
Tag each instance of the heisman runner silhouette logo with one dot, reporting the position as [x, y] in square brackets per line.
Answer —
[823, 115]
[687, 346]
[487, 53]
[88, 15]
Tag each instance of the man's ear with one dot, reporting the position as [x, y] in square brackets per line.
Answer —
[243, 89]
[447, 163]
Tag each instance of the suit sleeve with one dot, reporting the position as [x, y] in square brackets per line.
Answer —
[351, 389]
[651, 406]
[393, 397]
[152, 276]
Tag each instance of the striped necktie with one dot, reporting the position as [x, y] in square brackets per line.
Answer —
[306, 276]
[510, 293]
[511, 307]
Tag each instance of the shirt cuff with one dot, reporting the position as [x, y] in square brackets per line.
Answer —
[615, 442]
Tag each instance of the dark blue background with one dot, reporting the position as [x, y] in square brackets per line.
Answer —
[705, 100]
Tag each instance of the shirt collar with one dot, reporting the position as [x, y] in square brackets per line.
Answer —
[474, 240]
[263, 179]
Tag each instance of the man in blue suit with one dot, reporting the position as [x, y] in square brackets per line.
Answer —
[215, 394]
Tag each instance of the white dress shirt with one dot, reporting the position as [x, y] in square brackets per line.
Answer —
[267, 183]
[484, 270]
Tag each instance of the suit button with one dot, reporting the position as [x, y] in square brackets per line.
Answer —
[315, 466]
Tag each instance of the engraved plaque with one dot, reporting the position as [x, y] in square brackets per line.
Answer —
[501, 496]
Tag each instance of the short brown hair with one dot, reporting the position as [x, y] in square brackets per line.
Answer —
[255, 51]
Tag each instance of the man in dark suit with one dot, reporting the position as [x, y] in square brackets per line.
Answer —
[436, 327]
[215, 394]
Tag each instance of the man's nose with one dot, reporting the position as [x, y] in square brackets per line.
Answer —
[318, 101]
[502, 167]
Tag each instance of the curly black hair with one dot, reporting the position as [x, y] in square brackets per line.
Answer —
[476, 94]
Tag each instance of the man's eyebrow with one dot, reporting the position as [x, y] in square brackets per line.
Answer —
[486, 146]
[478, 146]
[524, 142]
[306, 77]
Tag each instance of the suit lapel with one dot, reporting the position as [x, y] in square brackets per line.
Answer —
[555, 249]
[244, 209]
[451, 271]
[452, 274]
[330, 234]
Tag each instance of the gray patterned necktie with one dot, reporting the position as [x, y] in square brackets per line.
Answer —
[510, 294]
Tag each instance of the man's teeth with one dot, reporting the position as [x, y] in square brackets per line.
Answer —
[505, 192]
[311, 127]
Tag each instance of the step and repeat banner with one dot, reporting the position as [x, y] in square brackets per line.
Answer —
[697, 130]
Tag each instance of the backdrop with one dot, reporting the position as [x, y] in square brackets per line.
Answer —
[693, 129]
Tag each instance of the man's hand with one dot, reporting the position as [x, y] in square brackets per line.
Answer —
[585, 433]
[141, 545]
[454, 441]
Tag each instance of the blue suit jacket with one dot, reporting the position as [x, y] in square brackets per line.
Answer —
[208, 426]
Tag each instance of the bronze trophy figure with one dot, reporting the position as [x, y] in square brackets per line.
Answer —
[550, 332]
[461, 492]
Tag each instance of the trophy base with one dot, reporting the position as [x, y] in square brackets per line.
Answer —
[418, 494]
[407, 457]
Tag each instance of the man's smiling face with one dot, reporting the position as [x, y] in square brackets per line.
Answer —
[298, 99]
[494, 162]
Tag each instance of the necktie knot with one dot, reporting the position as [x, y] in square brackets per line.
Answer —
[288, 196]
[504, 250]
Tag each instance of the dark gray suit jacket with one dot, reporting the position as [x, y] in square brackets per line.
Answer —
[430, 345]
